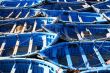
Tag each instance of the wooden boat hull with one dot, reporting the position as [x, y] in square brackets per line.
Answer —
[72, 32]
[81, 56]
[66, 16]
[74, 6]
[25, 44]
[102, 7]
[24, 25]
[18, 4]
[24, 65]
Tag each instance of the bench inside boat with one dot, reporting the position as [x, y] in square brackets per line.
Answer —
[25, 25]
[23, 45]
[24, 65]
[79, 55]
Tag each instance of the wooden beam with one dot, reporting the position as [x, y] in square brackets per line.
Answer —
[70, 18]
[33, 3]
[26, 15]
[80, 19]
[18, 5]
[68, 57]
[25, 4]
[108, 6]
[16, 47]
[46, 69]
[70, 8]
[29, 69]
[25, 24]
[79, 36]
[34, 27]
[9, 15]
[12, 30]
[86, 62]
[44, 41]
[31, 39]
[18, 14]
[30, 45]
[2, 47]
[99, 56]
[13, 68]
[57, 0]
[65, 1]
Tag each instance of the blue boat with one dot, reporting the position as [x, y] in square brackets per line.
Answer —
[24, 65]
[66, 16]
[90, 56]
[20, 4]
[15, 13]
[75, 6]
[25, 44]
[24, 25]
[75, 32]
[76, 0]
[102, 7]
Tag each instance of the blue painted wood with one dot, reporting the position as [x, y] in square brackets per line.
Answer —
[83, 49]
[23, 43]
[19, 3]
[6, 27]
[24, 65]
[79, 31]
[102, 7]
[67, 16]
[74, 6]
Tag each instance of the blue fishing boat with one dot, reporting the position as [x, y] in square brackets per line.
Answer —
[75, 32]
[20, 4]
[24, 25]
[24, 65]
[25, 44]
[76, 0]
[67, 16]
[15, 13]
[90, 56]
[75, 6]
[101, 7]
